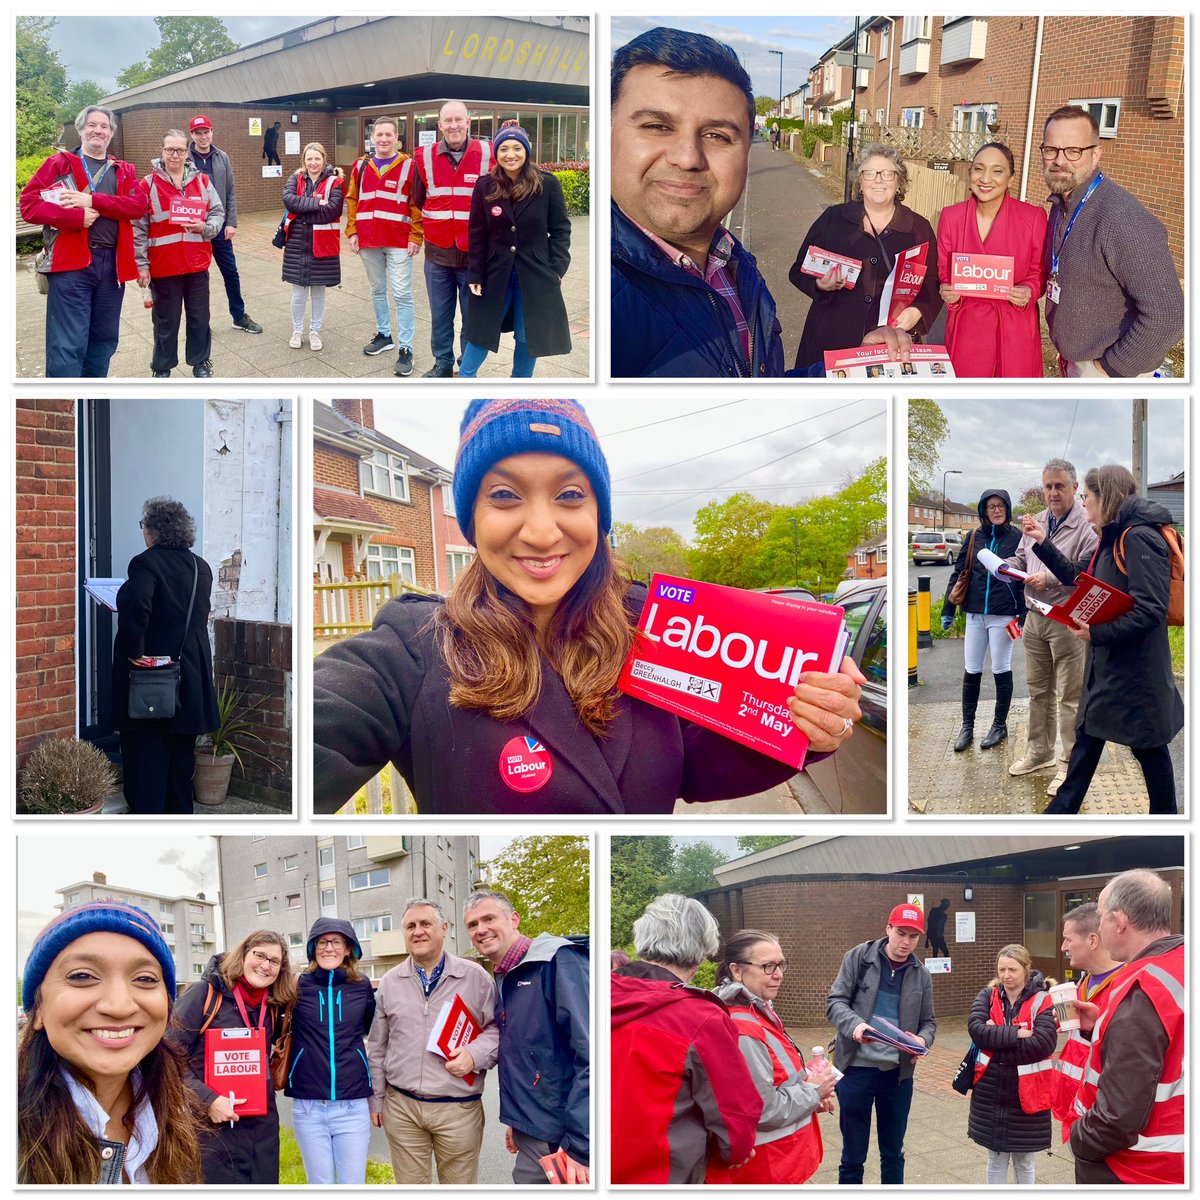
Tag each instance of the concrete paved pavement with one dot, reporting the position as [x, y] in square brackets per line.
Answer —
[349, 321]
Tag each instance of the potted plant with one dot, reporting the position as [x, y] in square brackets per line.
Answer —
[66, 776]
[219, 750]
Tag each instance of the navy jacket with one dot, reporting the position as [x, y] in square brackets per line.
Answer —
[542, 1009]
[667, 322]
[330, 1020]
[985, 594]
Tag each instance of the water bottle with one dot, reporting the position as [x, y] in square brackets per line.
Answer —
[817, 1065]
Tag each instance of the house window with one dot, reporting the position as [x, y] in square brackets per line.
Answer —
[325, 856]
[448, 500]
[198, 929]
[975, 118]
[197, 968]
[293, 901]
[329, 897]
[369, 879]
[918, 27]
[264, 907]
[457, 561]
[385, 561]
[197, 947]
[881, 555]
[164, 907]
[365, 926]
[913, 118]
[355, 841]
[879, 116]
[260, 870]
[885, 40]
[168, 927]
[291, 862]
[862, 558]
[295, 939]
[1107, 113]
[385, 474]
[196, 908]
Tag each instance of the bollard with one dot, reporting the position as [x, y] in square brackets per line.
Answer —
[912, 637]
[924, 609]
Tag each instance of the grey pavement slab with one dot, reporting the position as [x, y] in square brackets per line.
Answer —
[348, 325]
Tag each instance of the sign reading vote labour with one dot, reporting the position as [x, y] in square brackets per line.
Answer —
[185, 211]
[235, 1064]
[987, 276]
[729, 659]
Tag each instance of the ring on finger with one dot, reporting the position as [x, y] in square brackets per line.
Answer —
[847, 725]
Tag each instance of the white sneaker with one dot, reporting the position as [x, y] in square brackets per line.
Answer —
[1026, 765]
[296, 340]
[1056, 783]
[314, 340]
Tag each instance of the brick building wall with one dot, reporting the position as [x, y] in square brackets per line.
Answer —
[334, 468]
[140, 130]
[46, 583]
[817, 921]
[256, 656]
[410, 525]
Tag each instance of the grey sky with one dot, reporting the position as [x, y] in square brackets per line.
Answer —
[1005, 442]
[643, 441]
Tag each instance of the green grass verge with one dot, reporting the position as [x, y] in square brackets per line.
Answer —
[1175, 637]
[291, 1165]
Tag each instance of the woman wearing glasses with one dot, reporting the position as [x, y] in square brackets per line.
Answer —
[328, 1078]
[875, 228]
[787, 1147]
[247, 987]
[994, 338]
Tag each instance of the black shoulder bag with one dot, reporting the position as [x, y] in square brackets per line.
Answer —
[154, 691]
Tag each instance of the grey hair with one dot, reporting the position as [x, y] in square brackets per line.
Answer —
[879, 150]
[169, 523]
[677, 931]
[174, 133]
[1144, 898]
[421, 902]
[1085, 917]
[481, 895]
[1061, 464]
[84, 113]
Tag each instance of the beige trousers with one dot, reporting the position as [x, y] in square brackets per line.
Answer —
[1054, 659]
[418, 1130]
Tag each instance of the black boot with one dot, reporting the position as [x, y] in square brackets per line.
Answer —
[970, 700]
[999, 729]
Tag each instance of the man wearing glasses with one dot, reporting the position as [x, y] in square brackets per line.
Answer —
[879, 979]
[1114, 305]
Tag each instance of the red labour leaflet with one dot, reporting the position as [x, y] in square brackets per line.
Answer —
[184, 211]
[985, 276]
[1092, 602]
[820, 262]
[235, 1064]
[904, 283]
[456, 1026]
[729, 659]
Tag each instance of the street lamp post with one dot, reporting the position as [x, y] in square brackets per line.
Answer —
[780, 53]
[944, 474]
[795, 549]
[849, 183]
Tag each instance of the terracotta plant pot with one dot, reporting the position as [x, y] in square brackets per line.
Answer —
[211, 781]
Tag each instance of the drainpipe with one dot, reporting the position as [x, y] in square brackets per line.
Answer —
[1033, 87]
[437, 577]
[893, 53]
[283, 539]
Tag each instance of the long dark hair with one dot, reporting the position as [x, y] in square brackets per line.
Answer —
[527, 183]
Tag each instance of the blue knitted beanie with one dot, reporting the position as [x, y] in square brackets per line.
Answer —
[493, 430]
[515, 133]
[102, 916]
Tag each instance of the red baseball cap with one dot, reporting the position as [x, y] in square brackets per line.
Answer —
[200, 122]
[907, 916]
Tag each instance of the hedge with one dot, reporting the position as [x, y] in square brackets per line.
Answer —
[576, 186]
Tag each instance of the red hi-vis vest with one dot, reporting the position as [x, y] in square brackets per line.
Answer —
[382, 215]
[1034, 1080]
[790, 1154]
[1072, 1060]
[327, 238]
[1157, 1155]
[448, 189]
[174, 250]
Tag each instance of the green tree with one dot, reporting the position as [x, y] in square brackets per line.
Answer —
[639, 868]
[693, 868]
[648, 550]
[183, 42]
[765, 104]
[1032, 502]
[41, 80]
[752, 843]
[79, 96]
[927, 430]
[727, 539]
[548, 880]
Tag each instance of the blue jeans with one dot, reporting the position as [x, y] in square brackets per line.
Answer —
[523, 365]
[446, 286]
[860, 1089]
[227, 265]
[83, 318]
[333, 1136]
[390, 268]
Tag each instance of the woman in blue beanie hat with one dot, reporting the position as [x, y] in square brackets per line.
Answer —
[101, 1096]
[502, 699]
[519, 237]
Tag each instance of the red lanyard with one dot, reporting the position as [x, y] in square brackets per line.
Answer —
[262, 1012]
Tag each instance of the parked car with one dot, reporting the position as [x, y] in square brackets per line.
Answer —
[940, 546]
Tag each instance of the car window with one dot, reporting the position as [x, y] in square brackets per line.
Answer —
[874, 659]
[856, 613]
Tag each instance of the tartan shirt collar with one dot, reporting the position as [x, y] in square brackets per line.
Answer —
[513, 956]
[720, 253]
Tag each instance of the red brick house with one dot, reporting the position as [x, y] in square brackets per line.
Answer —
[379, 508]
[925, 512]
[868, 561]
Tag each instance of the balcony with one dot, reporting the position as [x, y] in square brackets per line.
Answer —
[914, 57]
[387, 943]
[384, 849]
[964, 40]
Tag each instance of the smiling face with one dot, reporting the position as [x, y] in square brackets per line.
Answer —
[453, 124]
[383, 134]
[96, 135]
[763, 983]
[203, 139]
[680, 150]
[1079, 946]
[1011, 974]
[876, 190]
[314, 162]
[424, 933]
[511, 156]
[332, 950]
[103, 1005]
[491, 929]
[536, 527]
[990, 175]
[262, 964]
[1061, 174]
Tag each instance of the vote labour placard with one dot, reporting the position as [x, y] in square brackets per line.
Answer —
[1092, 602]
[235, 1061]
[729, 659]
[456, 1026]
[985, 276]
[185, 211]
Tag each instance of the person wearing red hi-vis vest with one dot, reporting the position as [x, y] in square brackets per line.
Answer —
[313, 197]
[445, 178]
[1131, 1125]
[787, 1143]
[1012, 1022]
[1085, 952]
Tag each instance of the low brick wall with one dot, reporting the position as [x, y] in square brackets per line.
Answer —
[257, 657]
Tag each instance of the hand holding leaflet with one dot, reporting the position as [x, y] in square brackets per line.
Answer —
[996, 567]
[884, 1032]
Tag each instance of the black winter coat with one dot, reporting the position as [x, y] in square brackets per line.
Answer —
[384, 696]
[332, 1016]
[997, 1121]
[1129, 694]
[533, 238]
[992, 597]
[247, 1151]
[299, 264]
[151, 607]
[843, 318]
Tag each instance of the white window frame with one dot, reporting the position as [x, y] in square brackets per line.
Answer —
[198, 969]
[264, 907]
[966, 117]
[385, 474]
[1107, 129]
[385, 871]
[330, 903]
[378, 562]
[913, 118]
[293, 860]
[885, 41]
[863, 556]
[881, 555]
[457, 561]
[167, 927]
[355, 841]
[198, 930]
[325, 856]
[294, 896]
[260, 870]
[448, 500]
[295, 940]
